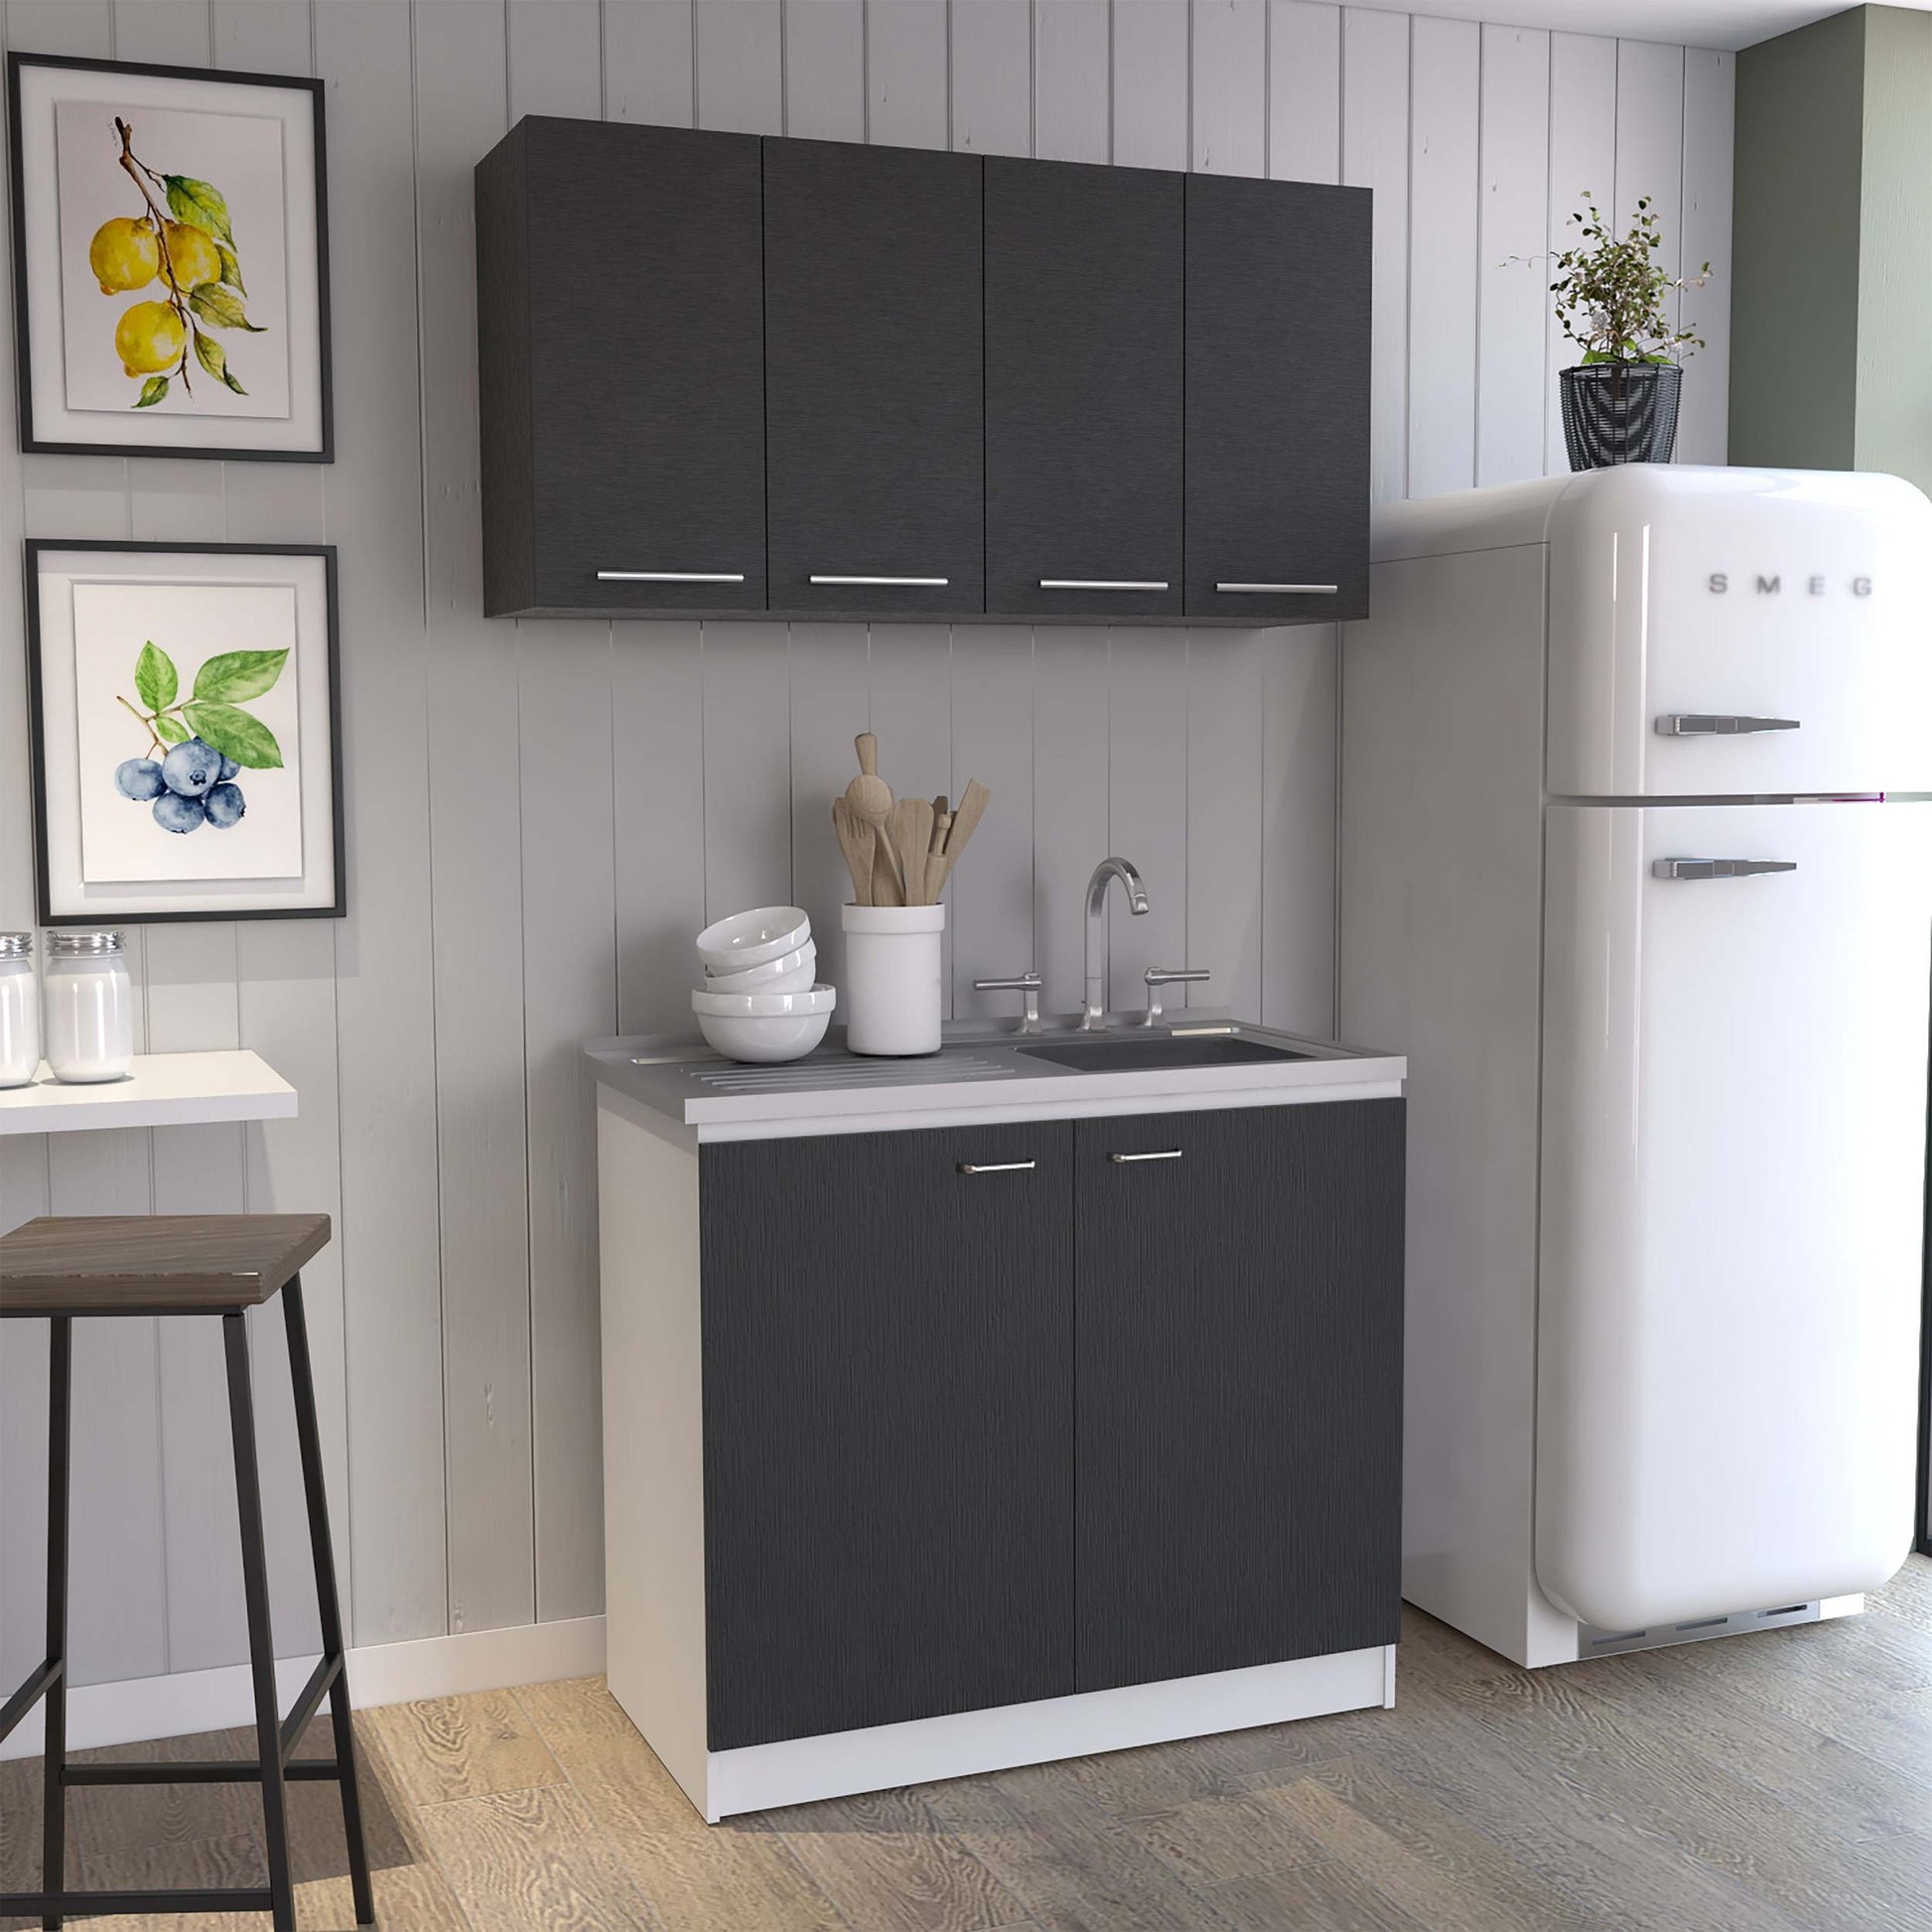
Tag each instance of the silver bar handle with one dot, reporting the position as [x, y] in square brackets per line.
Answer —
[670, 577]
[998, 1167]
[1027, 983]
[917, 583]
[1102, 584]
[1161, 1154]
[1720, 868]
[1158, 976]
[1707, 724]
[1278, 590]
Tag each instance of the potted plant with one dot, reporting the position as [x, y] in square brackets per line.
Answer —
[1620, 404]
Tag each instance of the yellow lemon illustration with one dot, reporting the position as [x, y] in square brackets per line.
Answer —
[192, 256]
[124, 255]
[149, 338]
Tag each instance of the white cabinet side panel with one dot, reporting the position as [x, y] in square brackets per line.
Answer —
[653, 1433]
[1441, 941]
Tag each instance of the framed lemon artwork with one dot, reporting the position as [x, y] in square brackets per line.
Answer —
[171, 271]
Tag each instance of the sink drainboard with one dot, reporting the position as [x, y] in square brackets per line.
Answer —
[830, 1076]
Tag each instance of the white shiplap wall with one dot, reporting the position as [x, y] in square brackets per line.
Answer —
[540, 814]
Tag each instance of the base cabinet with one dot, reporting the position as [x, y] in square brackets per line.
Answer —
[1000, 1413]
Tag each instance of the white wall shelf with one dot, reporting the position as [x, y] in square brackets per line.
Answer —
[161, 1090]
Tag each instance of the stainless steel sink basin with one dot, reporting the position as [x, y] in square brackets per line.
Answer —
[1151, 1051]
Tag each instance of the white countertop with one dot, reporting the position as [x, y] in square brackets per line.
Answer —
[161, 1090]
[981, 1073]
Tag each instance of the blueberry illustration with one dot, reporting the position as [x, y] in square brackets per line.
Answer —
[175, 813]
[139, 778]
[228, 768]
[224, 805]
[191, 768]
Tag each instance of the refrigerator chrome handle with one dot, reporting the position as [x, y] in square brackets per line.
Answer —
[1720, 868]
[1707, 723]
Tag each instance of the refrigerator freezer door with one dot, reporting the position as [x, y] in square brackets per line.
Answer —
[1724, 632]
[1734, 1161]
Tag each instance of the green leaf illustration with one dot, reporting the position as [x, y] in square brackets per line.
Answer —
[238, 674]
[200, 202]
[235, 734]
[151, 390]
[156, 681]
[230, 268]
[219, 306]
[207, 353]
[173, 730]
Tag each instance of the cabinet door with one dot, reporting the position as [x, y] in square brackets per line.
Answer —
[1083, 360]
[1239, 1388]
[873, 362]
[1278, 385]
[889, 1427]
[644, 415]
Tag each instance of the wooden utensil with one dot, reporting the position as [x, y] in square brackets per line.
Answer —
[886, 888]
[912, 839]
[871, 799]
[859, 843]
[935, 858]
[972, 804]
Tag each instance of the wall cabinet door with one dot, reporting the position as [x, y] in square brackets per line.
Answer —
[622, 370]
[1083, 389]
[1278, 399]
[873, 368]
[1239, 1340]
[889, 1427]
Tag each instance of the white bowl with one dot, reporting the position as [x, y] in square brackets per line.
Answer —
[768, 1037]
[751, 938]
[790, 972]
[762, 1006]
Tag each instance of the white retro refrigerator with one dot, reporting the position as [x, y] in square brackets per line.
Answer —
[1636, 836]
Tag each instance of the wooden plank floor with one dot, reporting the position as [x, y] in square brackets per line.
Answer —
[1773, 1783]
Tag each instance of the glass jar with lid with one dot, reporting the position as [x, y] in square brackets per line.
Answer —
[20, 1011]
[87, 1007]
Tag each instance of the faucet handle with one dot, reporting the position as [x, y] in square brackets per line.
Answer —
[1158, 976]
[1027, 983]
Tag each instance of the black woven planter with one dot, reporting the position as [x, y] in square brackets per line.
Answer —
[1620, 412]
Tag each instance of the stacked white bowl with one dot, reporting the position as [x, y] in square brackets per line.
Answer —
[759, 1000]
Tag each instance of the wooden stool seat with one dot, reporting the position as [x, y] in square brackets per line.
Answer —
[207, 1264]
[153, 1263]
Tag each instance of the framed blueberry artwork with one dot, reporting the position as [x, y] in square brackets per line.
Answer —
[170, 260]
[186, 754]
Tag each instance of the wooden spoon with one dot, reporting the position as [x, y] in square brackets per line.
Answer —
[858, 844]
[912, 840]
[871, 799]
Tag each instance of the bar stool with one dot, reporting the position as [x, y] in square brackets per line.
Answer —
[178, 1265]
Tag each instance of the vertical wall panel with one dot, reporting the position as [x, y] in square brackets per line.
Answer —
[1710, 86]
[1511, 269]
[1230, 86]
[741, 66]
[1225, 718]
[390, 1400]
[905, 73]
[1583, 163]
[992, 91]
[1303, 90]
[747, 769]
[1146, 806]
[825, 71]
[1151, 105]
[1650, 139]
[553, 57]
[830, 707]
[172, 32]
[1297, 829]
[647, 65]
[476, 841]
[1072, 675]
[1072, 49]
[990, 900]
[1446, 59]
[1375, 155]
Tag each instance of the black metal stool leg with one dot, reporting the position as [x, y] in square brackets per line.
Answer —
[261, 1640]
[59, 1429]
[302, 1380]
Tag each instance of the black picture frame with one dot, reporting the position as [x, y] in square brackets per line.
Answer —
[36, 725]
[23, 348]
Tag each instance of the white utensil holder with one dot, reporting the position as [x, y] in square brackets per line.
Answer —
[892, 992]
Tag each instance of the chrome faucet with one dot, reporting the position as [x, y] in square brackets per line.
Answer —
[1094, 1018]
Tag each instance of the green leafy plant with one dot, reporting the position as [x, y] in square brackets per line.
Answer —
[213, 712]
[1613, 297]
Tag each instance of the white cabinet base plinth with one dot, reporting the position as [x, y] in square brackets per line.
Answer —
[799, 1770]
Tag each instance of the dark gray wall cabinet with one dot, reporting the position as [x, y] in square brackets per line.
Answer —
[1057, 393]
[1067, 1423]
